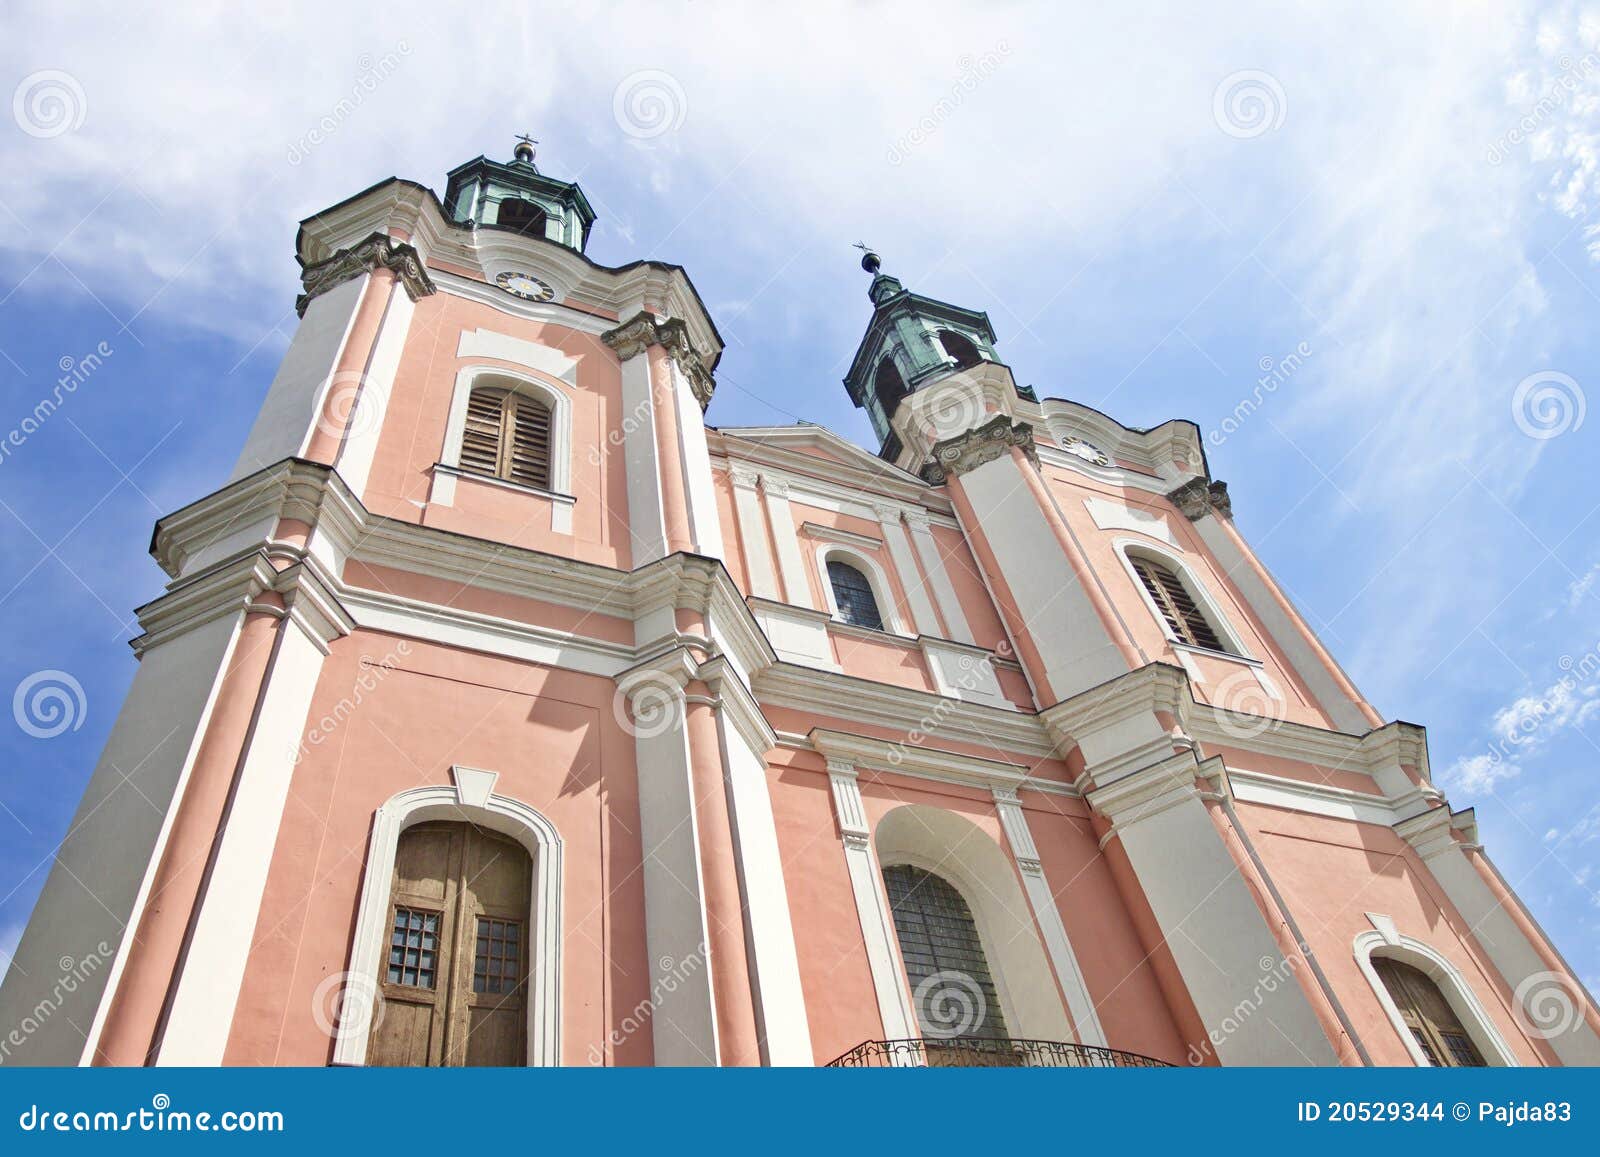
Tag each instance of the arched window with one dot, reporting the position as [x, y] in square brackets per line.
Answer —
[951, 987]
[888, 385]
[960, 347]
[852, 594]
[523, 216]
[454, 981]
[1178, 609]
[1432, 1021]
[507, 434]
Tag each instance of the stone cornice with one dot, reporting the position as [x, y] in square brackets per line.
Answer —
[964, 452]
[376, 252]
[643, 330]
[886, 756]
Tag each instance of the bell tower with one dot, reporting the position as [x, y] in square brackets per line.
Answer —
[913, 344]
[519, 198]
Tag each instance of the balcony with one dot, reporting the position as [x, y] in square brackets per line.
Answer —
[988, 1053]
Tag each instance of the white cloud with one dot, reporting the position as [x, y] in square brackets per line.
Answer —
[1478, 775]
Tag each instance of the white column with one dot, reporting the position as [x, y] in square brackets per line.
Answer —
[647, 524]
[207, 993]
[894, 536]
[683, 1024]
[933, 566]
[1250, 1004]
[774, 966]
[872, 905]
[83, 922]
[1517, 961]
[1048, 917]
[371, 404]
[796, 589]
[704, 521]
[753, 534]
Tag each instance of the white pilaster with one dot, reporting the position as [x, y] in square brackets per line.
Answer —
[213, 967]
[791, 565]
[695, 462]
[933, 566]
[753, 534]
[894, 537]
[872, 905]
[647, 524]
[1062, 959]
[371, 403]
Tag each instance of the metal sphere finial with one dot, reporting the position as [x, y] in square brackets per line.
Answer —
[870, 261]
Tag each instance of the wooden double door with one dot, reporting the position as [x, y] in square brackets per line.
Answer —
[454, 981]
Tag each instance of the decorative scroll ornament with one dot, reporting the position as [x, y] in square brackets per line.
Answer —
[644, 330]
[968, 451]
[1086, 450]
[376, 252]
[1200, 496]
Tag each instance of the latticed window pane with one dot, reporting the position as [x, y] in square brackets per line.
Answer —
[945, 964]
[497, 966]
[853, 595]
[1430, 1017]
[1183, 617]
[413, 947]
[507, 435]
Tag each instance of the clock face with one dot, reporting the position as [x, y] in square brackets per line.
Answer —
[525, 285]
[1088, 451]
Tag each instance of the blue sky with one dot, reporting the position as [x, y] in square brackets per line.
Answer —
[1151, 205]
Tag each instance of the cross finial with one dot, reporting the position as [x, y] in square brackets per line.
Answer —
[524, 149]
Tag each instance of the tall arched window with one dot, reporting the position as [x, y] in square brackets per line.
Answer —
[507, 435]
[852, 594]
[960, 347]
[454, 980]
[1431, 1019]
[1178, 609]
[951, 985]
[523, 216]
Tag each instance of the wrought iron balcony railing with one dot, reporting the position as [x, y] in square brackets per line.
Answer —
[988, 1052]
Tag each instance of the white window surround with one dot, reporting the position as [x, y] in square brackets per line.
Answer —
[1129, 548]
[1452, 984]
[544, 389]
[876, 578]
[471, 800]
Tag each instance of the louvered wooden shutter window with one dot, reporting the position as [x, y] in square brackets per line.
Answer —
[1427, 1014]
[1182, 616]
[507, 435]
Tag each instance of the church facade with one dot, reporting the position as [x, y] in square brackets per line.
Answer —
[501, 711]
